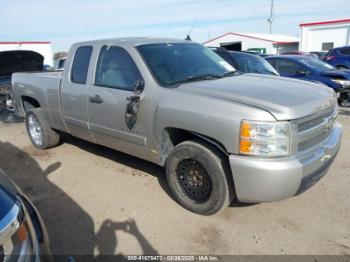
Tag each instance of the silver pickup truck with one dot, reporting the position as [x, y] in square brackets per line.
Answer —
[220, 135]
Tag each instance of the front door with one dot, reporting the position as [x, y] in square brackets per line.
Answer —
[113, 118]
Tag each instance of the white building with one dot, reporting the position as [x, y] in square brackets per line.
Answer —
[43, 48]
[270, 43]
[322, 36]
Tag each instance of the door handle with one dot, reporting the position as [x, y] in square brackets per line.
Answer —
[96, 99]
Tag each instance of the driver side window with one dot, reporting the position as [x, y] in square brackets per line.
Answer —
[116, 69]
[288, 67]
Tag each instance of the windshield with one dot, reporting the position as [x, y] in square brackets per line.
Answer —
[174, 63]
[252, 64]
[316, 64]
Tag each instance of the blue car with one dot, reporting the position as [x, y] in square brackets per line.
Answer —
[245, 62]
[314, 70]
[339, 57]
[23, 236]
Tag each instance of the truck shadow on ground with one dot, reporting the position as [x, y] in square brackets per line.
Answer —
[71, 229]
[122, 158]
[132, 162]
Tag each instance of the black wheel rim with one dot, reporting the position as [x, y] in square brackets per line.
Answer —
[194, 180]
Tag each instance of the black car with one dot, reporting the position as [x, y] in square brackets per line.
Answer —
[246, 62]
[23, 235]
[11, 62]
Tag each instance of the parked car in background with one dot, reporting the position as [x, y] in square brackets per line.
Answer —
[59, 63]
[23, 235]
[301, 53]
[257, 51]
[10, 62]
[221, 135]
[339, 57]
[314, 70]
[40, 47]
[245, 62]
[320, 54]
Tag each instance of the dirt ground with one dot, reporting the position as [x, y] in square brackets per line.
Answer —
[96, 200]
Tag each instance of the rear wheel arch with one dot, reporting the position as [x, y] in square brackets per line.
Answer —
[29, 103]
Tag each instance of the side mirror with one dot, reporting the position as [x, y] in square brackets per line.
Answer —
[139, 86]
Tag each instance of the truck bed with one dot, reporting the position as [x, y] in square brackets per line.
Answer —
[45, 87]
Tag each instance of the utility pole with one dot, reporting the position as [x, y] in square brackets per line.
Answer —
[270, 19]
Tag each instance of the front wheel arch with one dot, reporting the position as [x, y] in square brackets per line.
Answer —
[171, 137]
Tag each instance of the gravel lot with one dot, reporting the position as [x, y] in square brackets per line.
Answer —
[96, 200]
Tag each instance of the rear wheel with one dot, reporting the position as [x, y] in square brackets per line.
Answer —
[40, 133]
[199, 177]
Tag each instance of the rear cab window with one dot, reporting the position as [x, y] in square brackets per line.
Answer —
[116, 69]
[80, 65]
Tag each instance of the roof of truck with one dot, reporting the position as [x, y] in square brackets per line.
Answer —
[134, 41]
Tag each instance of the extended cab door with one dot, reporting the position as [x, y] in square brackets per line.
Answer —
[74, 92]
[116, 120]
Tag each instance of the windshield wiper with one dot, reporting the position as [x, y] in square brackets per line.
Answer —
[231, 73]
[197, 78]
[263, 71]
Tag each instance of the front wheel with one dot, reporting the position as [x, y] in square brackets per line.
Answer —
[40, 133]
[199, 177]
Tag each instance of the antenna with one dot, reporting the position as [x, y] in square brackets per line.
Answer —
[188, 37]
[270, 19]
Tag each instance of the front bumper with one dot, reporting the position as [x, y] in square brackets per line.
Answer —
[272, 179]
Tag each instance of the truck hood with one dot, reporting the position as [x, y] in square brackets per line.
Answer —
[284, 98]
[20, 61]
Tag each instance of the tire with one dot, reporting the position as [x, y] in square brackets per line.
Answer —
[197, 155]
[48, 137]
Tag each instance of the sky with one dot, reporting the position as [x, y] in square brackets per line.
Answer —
[65, 22]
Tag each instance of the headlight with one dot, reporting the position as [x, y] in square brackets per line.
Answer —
[15, 237]
[269, 139]
[342, 82]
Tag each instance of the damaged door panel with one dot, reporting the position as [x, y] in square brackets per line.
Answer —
[114, 84]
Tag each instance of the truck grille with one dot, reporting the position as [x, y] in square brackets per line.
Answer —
[313, 130]
[313, 122]
[312, 141]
